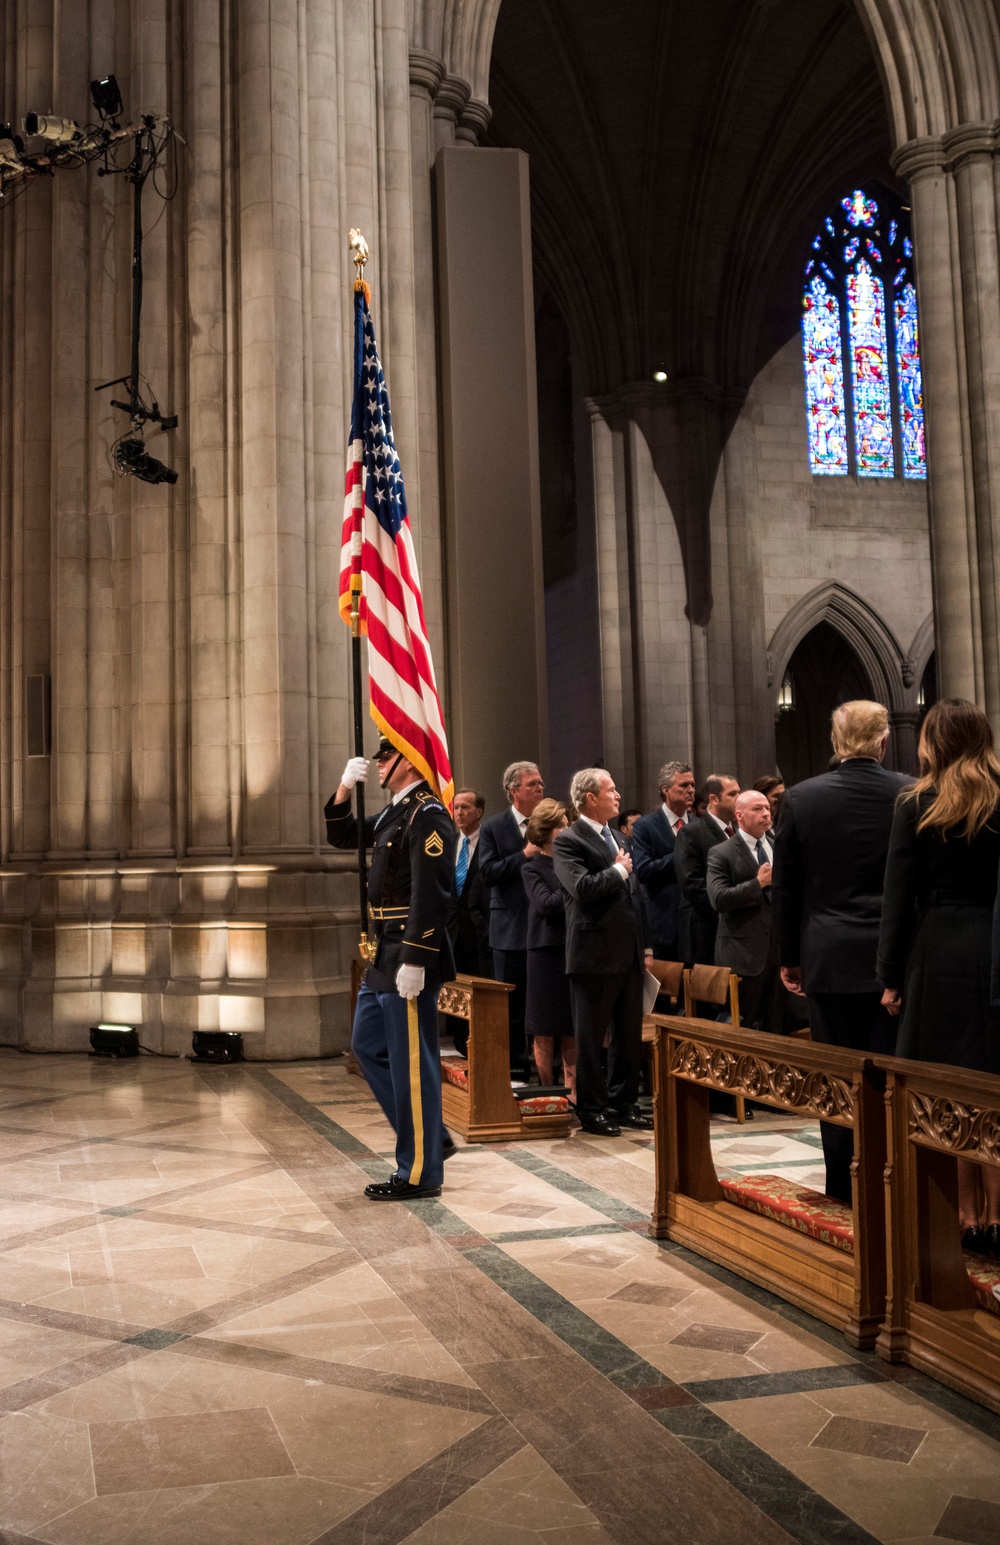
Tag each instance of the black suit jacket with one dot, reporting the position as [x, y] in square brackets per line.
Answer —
[653, 852]
[546, 903]
[743, 942]
[606, 930]
[501, 856]
[469, 925]
[691, 849]
[829, 870]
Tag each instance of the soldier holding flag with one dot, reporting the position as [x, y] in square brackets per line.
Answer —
[395, 1036]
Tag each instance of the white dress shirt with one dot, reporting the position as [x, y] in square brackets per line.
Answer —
[473, 844]
[599, 829]
[522, 821]
[751, 843]
[673, 817]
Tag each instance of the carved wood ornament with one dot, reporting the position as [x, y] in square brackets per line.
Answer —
[796, 1088]
[936, 1122]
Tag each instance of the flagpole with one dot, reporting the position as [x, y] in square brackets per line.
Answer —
[359, 252]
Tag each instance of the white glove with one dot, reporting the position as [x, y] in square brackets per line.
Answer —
[356, 771]
[410, 981]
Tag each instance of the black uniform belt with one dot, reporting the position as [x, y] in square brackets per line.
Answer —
[388, 914]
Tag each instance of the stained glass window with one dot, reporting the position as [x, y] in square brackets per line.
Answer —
[860, 342]
[911, 393]
[824, 379]
[869, 373]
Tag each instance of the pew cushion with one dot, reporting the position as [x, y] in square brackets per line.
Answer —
[456, 1073]
[797, 1207]
[544, 1105]
[984, 1274]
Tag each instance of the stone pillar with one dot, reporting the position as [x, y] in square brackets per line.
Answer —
[199, 667]
[953, 179]
[496, 634]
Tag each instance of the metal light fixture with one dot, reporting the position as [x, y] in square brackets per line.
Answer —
[114, 1041]
[786, 694]
[11, 148]
[131, 456]
[106, 96]
[57, 131]
[218, 1046]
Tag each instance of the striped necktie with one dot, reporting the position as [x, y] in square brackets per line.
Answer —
[462, 867]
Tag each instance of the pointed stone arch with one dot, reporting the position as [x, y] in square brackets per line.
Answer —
[940, 63]
[874, 643]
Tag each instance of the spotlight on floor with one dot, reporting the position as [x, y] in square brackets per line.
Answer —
[114, 1041]
[216, 1046]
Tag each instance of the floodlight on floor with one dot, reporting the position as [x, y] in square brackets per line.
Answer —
[114, 1041]
[216, 1046]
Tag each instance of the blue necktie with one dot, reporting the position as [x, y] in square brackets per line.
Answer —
[610, 842]
[462, 867]
[762, 858]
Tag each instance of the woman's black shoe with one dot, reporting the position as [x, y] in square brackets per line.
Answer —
[974, 1238]
[992, 1244]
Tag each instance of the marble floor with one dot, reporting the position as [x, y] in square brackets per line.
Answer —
[207, 1336]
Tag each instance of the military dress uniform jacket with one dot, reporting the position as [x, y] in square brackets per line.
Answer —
[411, 882]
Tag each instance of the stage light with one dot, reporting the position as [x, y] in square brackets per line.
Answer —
[11, 148]
[216, 1046]
[106, 96]
[114, 1041]
[659, 376]
[131, 457]
[57, 131]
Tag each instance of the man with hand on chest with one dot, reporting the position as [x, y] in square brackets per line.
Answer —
[410, 890]
[739, 888]
[606, 948]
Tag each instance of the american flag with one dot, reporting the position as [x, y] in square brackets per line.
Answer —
[377, 562]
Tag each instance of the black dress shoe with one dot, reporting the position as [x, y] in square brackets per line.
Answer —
[991, 1245]
[974, 1238]
[600, 1126]
[396, 1190]
[632, 1117]
[448, 1149]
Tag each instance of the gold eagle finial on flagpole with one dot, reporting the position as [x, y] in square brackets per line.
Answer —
[359, 255]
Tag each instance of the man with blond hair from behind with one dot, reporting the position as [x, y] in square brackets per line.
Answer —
[829, 867]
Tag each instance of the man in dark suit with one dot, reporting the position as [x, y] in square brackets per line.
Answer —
[830, 853]
[606, 947]
[503, 847]
[653, 838]
[468, 925]
[694, 843]
[739, 887]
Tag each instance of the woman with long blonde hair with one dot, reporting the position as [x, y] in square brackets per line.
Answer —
[935, 941]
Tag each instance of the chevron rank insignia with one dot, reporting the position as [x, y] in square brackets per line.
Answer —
[434, 846]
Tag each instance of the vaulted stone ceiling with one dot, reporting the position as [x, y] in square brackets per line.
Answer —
[682, 155]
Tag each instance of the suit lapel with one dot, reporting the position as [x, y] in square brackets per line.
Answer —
[596, 841]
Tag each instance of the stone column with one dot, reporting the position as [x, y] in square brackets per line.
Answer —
[954, 193]
[496, 635]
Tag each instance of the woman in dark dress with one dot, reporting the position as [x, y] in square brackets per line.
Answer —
[935, 941]
[547, 1009]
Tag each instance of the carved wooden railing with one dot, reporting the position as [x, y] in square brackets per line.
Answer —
[485, 1110]
[843, 1286]
[935, 1319]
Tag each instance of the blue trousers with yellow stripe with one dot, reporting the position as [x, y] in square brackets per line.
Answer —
[396, 1042]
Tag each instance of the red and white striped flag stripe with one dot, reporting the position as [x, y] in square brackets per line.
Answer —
[378, 564]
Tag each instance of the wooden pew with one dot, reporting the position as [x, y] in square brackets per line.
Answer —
[933, 1317]
[719, 985]
[693, 1056]
[476, 1096]
[670, 975]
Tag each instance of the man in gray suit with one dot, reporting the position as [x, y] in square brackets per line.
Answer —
[739, 888]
